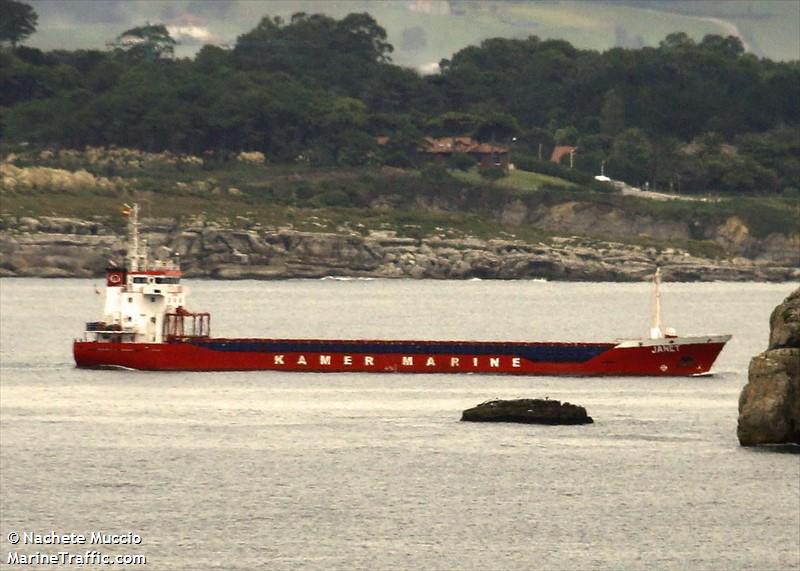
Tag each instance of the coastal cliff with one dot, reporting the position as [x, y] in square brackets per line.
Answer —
[69, 247]
[244, 218]
[769, 406]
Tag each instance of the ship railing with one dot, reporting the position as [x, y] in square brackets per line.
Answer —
[183, 325]
[108, 334]
[102, 326]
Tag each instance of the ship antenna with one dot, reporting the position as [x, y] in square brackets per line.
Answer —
[655, 326]
[134, 255]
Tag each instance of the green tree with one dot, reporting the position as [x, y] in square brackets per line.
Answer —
[452, 123]
[743, 174]
[150, 42]
[666, 160]
[360, 34]
[630, 157]
[730, 46]
[401, 148]
[593, 151]
[213, 59]
[344, 55]
[676, 41]
[461, 161]
[538, 141]
[567, 136]
[612, 114]
[17, 22]
[497, 126]
[341, 139]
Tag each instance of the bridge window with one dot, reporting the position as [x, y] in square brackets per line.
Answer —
[140, 280]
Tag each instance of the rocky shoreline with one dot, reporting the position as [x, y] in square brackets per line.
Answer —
[67, 247]
[769, 405]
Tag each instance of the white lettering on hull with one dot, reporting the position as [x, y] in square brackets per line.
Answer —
[665, 349]
[431, 361]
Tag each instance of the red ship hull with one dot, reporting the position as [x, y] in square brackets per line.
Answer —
[645, 357]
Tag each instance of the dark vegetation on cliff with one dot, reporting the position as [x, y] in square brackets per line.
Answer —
[688, 116]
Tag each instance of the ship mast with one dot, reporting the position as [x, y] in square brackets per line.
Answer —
[137, 248]
[655, 324]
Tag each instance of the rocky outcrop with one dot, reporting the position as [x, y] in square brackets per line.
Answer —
[784, 323]
[527, 411]
[61, 247]
[769, 406]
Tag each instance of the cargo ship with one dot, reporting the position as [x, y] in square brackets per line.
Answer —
[146, 326]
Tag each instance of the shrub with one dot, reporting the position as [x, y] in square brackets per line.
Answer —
[532, 164]
[397, 158]
[436, 174]
[461, 161]
[333, 197]
[599, 186]
[493, 173]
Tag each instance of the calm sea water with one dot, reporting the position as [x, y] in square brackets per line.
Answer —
[268, 470]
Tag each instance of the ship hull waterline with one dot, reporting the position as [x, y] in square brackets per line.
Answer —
[685, 356]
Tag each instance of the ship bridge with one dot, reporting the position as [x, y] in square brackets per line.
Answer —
[143, 298]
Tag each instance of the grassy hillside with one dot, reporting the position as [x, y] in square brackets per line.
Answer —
[521, 181]
[415, 203]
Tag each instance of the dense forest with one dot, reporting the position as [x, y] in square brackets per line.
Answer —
[689, 116]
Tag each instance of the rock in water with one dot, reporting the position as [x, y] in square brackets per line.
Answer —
[784, 323]
[529, 411]
[769, 406]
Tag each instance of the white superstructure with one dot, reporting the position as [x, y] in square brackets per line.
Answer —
[141, 296]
